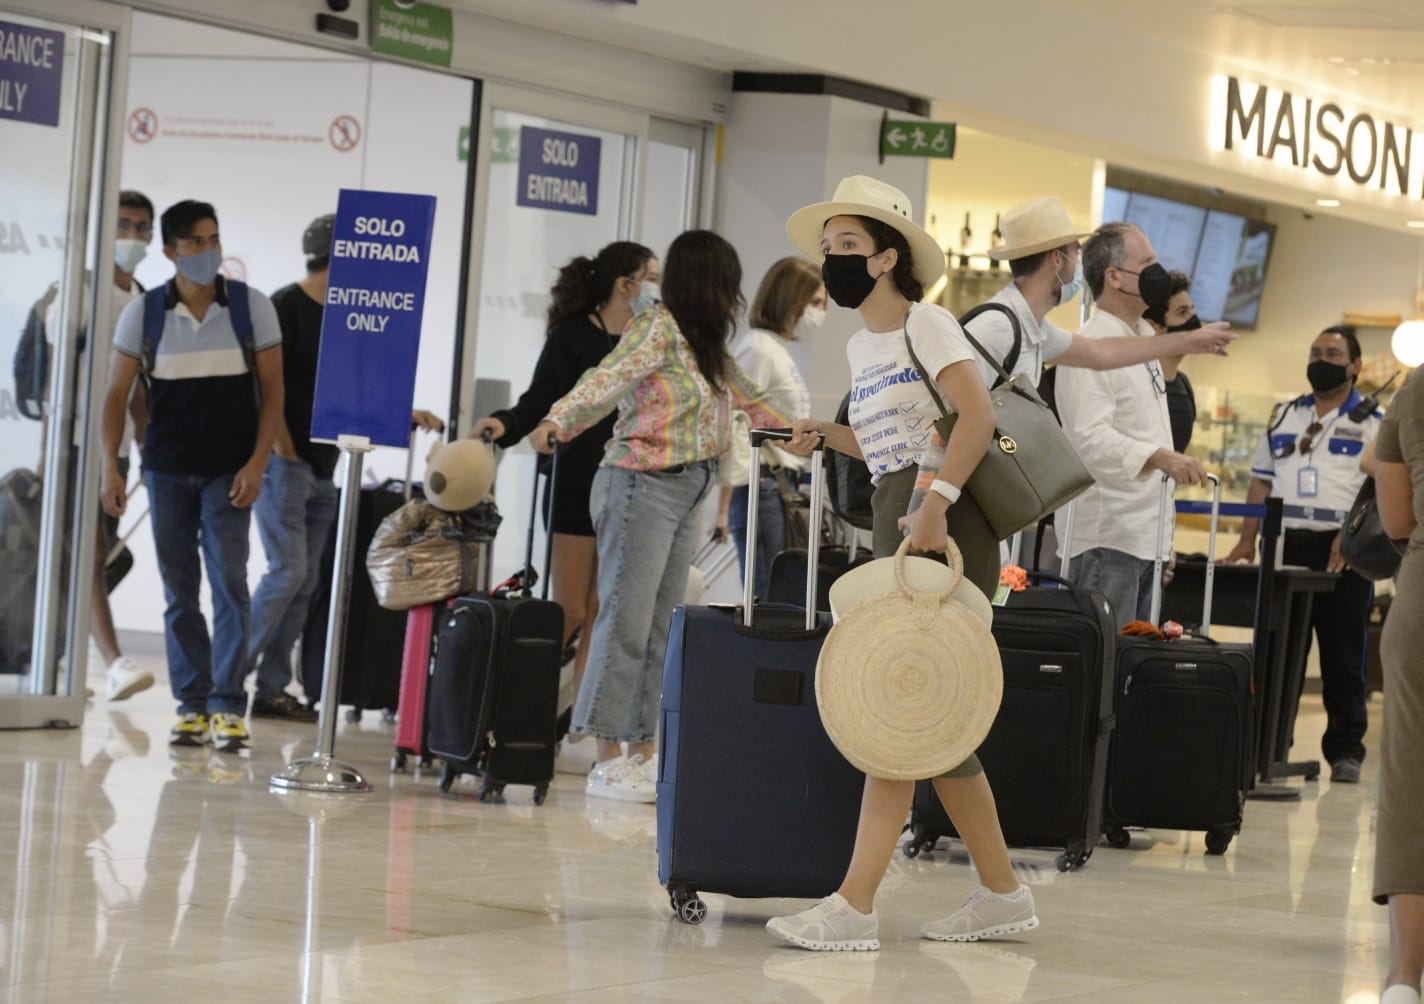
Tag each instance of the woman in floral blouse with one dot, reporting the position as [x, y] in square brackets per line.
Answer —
[675, 386]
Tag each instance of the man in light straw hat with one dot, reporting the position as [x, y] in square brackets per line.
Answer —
[877, 260]
[1045, 260]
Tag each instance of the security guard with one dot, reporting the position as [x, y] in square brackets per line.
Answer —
[1309, 457]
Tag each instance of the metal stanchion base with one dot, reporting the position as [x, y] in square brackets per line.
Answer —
[320, 773]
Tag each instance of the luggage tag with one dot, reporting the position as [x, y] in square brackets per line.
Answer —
[1307, 482]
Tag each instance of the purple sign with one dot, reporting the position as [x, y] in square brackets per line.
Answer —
[558, 171]
[31, 72]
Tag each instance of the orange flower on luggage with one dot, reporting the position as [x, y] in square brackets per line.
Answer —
[1014, 577]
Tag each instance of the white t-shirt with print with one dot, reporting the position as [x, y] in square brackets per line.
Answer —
[891, 410]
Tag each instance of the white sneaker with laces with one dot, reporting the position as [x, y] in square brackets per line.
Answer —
[126, 679]
[650, 768]
[1400, 994]
[576, 758]
[832, 925]
[986, 915]
[620, 778]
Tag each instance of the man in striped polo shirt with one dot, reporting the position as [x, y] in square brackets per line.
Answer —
[210, 354]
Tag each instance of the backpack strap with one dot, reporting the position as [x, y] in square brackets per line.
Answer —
[1012, 359]
[155, 314]
[239, 312]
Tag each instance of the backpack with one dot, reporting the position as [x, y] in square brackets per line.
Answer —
[31, 363]
[848, 478]
[155, 309]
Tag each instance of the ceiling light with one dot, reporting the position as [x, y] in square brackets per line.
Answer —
[1328, 203]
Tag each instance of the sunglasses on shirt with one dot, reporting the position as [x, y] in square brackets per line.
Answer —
[1304, 444]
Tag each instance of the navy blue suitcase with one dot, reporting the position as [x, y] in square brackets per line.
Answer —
[753, 799]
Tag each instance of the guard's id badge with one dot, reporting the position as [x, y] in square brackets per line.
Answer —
[1307, 483]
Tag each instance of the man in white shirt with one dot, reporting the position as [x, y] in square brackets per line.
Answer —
[1118, 422]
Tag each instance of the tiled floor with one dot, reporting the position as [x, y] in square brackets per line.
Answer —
[138, 874]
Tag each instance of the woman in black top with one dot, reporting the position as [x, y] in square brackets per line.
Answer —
[593, 301]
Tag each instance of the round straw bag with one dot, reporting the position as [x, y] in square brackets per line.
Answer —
[908, 684]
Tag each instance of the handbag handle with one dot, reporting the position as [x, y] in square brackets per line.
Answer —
[1012, 359]
[924, 373]
[953, 557]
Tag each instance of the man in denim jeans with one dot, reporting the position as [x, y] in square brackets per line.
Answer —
[214, 374]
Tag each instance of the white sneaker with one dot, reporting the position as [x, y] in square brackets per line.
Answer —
[650, 768]
[576, 757]
[832, 925]
[1400, 994]
[622, 779]
[986, 915]
[126, 679]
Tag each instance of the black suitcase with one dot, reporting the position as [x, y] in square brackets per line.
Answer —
[1047, 752]
[752, 797]
[21, 501]
[492, 704]
[786, 582]
[1181, 755]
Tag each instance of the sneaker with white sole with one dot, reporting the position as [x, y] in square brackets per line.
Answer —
[832, 925]
[576, 757]
[1400, 994]
[229, 732]
[621, 778]
[650, 768]
[191, 729]
[987, 914]
[125, 679]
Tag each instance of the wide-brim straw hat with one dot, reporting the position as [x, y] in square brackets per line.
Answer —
[859, 195]
[909, 683]
[1034, 226]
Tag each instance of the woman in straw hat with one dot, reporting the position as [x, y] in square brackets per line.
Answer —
[877, 260]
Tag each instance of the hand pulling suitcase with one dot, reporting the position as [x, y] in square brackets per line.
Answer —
[752, 798]
[1181, 756]
[493, 700]
[1047, 752]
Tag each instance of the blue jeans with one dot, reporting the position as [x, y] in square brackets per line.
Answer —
[1125, 581]
[645, 523]
[192, 515]
[294, 514]
[771, 530]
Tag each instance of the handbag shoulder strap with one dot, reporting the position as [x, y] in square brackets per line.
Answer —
[1012, 359]
[924, 373]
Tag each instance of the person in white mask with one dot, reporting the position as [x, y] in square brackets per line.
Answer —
[135, 232]
[790, 304]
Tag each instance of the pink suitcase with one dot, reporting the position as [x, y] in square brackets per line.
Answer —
[415, 672]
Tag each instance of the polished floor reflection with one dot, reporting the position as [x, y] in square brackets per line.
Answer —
[136, 873]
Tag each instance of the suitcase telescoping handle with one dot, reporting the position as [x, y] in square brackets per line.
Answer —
[813, 544]
[534, 517]
[1164, 507]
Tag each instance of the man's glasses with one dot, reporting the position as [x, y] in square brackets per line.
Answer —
[1304, 444]
[1158, 384]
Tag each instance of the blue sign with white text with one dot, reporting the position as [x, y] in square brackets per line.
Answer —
[370, 327]
[31, 73]
[558, 170]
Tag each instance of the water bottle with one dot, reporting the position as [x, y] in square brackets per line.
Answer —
[931, 460]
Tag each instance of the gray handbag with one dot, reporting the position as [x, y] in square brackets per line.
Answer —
[1030, 468]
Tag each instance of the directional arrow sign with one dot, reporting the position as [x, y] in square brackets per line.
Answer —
[916, 138]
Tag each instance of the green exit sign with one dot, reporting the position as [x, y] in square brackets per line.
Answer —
[915, 138]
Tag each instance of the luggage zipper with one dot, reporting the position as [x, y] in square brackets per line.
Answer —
[1127, 685]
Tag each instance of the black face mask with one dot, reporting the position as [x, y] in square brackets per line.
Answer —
[1154, 285]
[1326, 376]
[847, 278]
[1190, 324]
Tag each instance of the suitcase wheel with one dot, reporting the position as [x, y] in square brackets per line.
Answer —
[398, 762]
[919, 841]
[447, 776]
[1119, 838]
[687, 905]
[540, 794]
[1217, 841]
[1070, 860]
[353, 716]
[490, 790]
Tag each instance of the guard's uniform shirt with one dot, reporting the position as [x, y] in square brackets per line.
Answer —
[1328, 477]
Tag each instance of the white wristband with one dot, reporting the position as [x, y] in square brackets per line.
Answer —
[949, 492]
